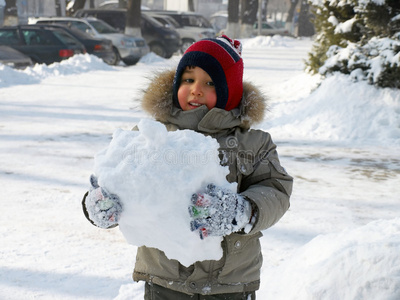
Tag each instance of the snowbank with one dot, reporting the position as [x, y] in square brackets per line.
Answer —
[262, 42]
[340, 110]
[362, 263]
[77, 64]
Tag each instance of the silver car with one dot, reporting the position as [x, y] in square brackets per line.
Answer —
[129, 48]
[13, 58]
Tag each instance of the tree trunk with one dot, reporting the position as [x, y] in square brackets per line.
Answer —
[191, 5]
[78, 4]
[248, 17]
[58, 8]
[292, 7]
[289, 19]
[10, 13]
[233, 29]
[305, 26]
[122, 3]
[264, 10]
[133, 16]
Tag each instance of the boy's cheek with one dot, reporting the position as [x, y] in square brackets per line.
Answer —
[182, 98]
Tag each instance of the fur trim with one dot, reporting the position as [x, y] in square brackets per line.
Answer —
[157, 100]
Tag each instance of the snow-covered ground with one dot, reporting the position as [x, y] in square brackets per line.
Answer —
[341, 142]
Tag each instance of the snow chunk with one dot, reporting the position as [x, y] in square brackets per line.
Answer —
[155, 173]
[345, 26]
[333, 20]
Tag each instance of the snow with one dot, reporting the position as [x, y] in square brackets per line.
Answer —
[344, 27]
[180, 164]
[357, 260]
[340, 140]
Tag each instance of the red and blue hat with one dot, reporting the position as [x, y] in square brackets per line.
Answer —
[221, 59]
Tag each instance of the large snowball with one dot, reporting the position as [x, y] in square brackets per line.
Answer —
[155, 173]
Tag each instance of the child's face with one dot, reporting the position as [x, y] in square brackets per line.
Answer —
[196, 89]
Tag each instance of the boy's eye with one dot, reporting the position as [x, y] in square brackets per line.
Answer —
[188, 80]
[210, 83]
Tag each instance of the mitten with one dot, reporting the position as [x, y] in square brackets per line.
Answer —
[103, 208]
[218, 212]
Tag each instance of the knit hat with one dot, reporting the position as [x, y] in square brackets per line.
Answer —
[220, 58]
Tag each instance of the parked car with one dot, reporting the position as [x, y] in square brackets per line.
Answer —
[42, 44]
[128, 48]
[101, 48]
[269, 29]
[161, 40]
[13, 58]
[193, 26]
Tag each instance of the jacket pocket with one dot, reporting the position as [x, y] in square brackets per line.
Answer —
[243, 259]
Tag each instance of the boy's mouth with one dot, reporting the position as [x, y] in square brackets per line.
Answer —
[195, 104]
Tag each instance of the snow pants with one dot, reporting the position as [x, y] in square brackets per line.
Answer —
[156, 292]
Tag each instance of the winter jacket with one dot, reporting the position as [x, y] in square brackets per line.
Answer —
[253, 163]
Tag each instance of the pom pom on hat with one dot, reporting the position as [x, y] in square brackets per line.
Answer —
[221, 59]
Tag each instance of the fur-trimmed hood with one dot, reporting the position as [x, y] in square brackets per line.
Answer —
[157, 101]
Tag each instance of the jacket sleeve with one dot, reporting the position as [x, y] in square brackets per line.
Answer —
[268, 186]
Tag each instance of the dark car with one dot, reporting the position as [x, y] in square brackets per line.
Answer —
[130, 49]
[101, 48]
[13, 58]
[162, 40]
[192, 27]
[43, 44]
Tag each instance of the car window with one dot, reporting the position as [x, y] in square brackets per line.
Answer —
[9, 37]
[173, 22]
[81, 26]
[152, 21]
[102, 27]
[38, 37]
[115, 20]
[196, 21]
[78, 33]
[65, 38]
[161, 20]
[167, 21]
[263, 26]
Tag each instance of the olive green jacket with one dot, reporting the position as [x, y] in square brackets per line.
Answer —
[253, 163]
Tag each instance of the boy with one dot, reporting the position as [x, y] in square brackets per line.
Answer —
[207, 94]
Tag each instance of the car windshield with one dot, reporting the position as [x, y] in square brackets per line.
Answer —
[102, 27]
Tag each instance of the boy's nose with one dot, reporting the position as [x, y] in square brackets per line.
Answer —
[196, 89]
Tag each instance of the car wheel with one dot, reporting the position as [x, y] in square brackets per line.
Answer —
[158, 49]
[114, 59]
[130, 61]
[186, 44]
